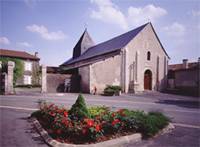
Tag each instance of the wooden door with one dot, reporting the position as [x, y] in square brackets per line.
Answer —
[147, 80]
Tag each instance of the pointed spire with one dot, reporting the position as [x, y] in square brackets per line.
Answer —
[83, 44]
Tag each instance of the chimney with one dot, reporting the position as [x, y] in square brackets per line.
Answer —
[185, 63]
[36, 54]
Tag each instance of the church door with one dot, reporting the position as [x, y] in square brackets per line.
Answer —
[147, 80]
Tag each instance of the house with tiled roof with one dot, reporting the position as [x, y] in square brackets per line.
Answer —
[30, 64]
[135, 60]
[184, 77]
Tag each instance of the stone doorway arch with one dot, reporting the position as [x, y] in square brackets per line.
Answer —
[148, 80]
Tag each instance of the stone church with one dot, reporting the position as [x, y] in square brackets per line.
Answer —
[135, 60]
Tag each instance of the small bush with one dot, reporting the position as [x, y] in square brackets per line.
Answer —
[36, 113]
[152, 123]
[79, 109]
[96, 110]
[112, 89]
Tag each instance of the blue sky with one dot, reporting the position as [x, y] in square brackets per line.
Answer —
[53, 27]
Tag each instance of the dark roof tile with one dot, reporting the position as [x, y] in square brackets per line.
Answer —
[111, 45]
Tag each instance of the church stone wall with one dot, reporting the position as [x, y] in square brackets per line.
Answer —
[105, 72]
[137, 50]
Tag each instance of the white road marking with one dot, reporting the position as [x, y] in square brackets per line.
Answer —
[20, 108]
[185, 125]
[8, 99]
[182, 111]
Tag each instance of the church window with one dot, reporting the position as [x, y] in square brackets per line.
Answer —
[148, 55]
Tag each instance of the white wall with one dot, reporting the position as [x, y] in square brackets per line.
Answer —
[146, 41]
[105, 72]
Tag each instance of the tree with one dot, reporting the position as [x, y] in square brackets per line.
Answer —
[79, 109]
[18, 69]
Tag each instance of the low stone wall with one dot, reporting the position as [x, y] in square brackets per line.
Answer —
[56, 82]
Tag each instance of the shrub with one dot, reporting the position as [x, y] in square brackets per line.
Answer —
[152, 123]
[112, 89]
[96, 110]
[79, 109]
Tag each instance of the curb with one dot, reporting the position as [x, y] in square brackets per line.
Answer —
[119, 141]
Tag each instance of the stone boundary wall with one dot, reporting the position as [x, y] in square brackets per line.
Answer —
[56, 83]
[53, 83]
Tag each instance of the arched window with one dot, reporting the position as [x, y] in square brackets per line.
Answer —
[148, 55]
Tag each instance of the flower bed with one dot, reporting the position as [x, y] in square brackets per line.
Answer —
[103, 125]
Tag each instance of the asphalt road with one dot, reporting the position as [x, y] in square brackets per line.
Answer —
[16, 130]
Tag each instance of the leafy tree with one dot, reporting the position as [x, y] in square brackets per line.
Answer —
[18, 69]
[79, 109]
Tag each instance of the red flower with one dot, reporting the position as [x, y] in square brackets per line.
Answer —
[113, 114]
[52, 114]
[124, 114]
[52, 104]
[97, 127]
[122, 123]
[103, 122]
[103, 113]
[63, 120]
[78, 133]
[114, 122]
[65, 113]
[66, 124]
[60, 111]
[100, 119]
[106, 108]
[70, 125]
[55, 120]
[84, 131]
[43, 107]
[58, 131]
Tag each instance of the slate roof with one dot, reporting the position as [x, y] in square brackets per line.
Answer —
[17, 54]
[111, 45]
[85, 39]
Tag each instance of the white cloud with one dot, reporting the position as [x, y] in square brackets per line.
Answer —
[42, 31]
[30, 3]
[25, 44]
[137, 16]
[194, 13]
[110, 13]
[178, 42]
[175, 29]
[4, 40]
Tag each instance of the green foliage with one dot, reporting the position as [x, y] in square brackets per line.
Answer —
[96, 110]
[79, 109]
[18, 69]
[152, 123]
[64, 69]
[112, 89]
[36, 113]
[103, 120]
